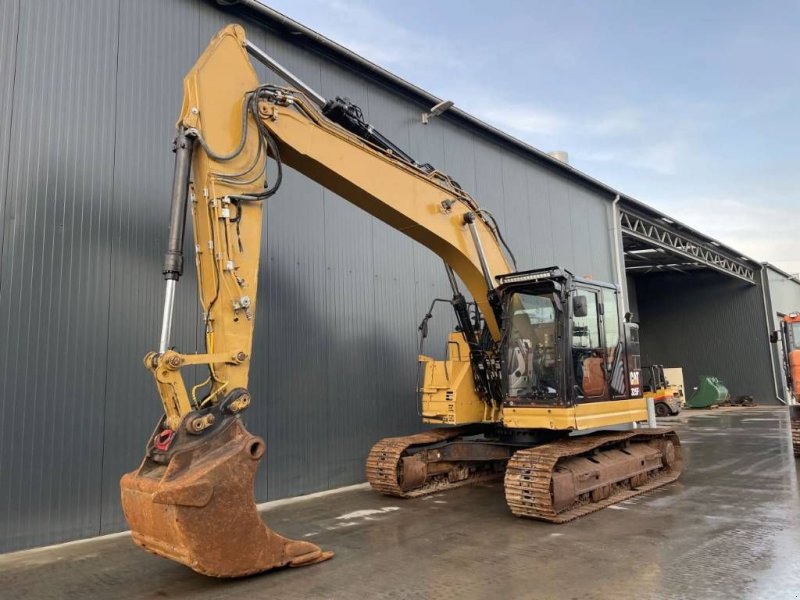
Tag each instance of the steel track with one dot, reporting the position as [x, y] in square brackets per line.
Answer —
[528, 474]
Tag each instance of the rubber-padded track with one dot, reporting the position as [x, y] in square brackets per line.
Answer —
[529, 474]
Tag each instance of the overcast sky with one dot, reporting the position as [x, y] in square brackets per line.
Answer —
[691, 107]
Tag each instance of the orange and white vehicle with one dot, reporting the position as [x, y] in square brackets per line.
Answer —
[789, 336]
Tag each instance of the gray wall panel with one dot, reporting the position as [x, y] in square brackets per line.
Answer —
[294, 393]
[518, 209]
[633, 298]
[55, 272]
[489, 180]
[89, 94]
[9, 29]
[561, 223]
[708, 324]
[291, 342]
[784, 293]
[147, 102]
[540, 219]
[580, 240]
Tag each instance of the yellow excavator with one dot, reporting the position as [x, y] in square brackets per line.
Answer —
[541, 384]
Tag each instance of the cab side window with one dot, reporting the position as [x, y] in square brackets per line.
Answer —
[586, 330]
[614, 349]
[611, 324]
[588, 351]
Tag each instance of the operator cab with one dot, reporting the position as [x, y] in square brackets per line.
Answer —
[564, 341]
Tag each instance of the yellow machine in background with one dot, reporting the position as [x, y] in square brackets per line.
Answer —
[666, 397]
[537, 356]
[674, 375]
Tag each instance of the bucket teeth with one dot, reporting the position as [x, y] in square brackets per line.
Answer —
[198, 508]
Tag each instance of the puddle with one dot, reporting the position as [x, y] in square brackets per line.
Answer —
[367, 512]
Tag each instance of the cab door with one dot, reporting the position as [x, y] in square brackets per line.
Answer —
[610, 325]
[589, 354]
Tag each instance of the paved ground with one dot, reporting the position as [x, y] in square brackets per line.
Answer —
[730, 528]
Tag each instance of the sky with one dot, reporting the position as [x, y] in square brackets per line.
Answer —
[690, 107]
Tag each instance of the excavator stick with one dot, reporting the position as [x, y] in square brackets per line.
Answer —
[194, 504]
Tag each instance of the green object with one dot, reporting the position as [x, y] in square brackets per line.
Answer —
[710, 392]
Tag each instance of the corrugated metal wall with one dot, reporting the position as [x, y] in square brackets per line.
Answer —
[784, 293]
[708, 324]
[633, 299]
[784, 298]
[89, 93]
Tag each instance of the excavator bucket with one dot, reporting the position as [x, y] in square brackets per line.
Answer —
[191, 500]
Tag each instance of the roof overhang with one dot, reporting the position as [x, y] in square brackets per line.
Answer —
[656, 244]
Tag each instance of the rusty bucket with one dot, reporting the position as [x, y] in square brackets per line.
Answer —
[192, 501]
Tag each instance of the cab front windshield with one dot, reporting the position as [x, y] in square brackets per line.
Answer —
[531, 357]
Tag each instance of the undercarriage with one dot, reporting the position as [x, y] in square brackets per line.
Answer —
[555, 480]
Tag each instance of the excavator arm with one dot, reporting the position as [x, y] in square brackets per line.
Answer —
[191, 499]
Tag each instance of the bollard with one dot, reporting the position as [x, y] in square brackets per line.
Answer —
[651, 412]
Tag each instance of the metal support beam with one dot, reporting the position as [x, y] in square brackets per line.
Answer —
[679, 244]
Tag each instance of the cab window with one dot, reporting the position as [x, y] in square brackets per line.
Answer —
[588, 350]
[611, 324]
[531, 365]
[586, 330]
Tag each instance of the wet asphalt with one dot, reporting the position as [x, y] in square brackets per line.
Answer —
[729, 528]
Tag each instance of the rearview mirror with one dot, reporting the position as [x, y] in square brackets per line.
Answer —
[773, 337]
[580, 307]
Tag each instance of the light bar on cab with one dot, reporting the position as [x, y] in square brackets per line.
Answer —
[539, 275]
